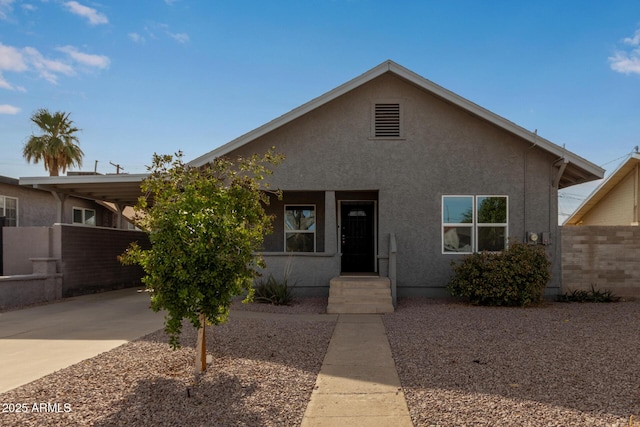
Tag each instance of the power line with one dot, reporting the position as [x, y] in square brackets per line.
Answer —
[635, 150]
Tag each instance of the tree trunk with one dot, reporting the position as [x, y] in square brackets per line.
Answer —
[201, 347]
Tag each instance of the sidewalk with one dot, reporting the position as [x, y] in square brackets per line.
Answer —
[37, 341]
[358, 384]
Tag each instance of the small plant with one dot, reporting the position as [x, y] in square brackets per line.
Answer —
[516, 276]
[271, 291]
[593, 295]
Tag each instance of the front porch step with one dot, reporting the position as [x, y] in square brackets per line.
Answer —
[360, 294]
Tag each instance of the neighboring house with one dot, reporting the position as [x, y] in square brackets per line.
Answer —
[79, 231]
[31, 207]
[615, 201]
[392, 175]
[601, 239]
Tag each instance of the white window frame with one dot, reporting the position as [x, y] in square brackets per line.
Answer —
[315, 227]
[401, 119]
[84, 216]
[3, 206]
[474, 225]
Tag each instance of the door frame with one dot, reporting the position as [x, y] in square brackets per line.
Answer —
[374, 235]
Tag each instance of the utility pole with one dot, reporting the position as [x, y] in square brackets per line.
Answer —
[118, 167]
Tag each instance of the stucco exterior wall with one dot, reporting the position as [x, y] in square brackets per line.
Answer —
[35, 207]
[22, 243]
[603, 256]
[445, 151]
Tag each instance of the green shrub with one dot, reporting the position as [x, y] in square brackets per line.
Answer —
[516, 276]
[594, 295]
[271, 291]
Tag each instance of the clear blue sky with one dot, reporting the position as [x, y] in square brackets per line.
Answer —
[148, 76]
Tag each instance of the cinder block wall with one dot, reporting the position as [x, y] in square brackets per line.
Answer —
[607, 257]
[90, 259]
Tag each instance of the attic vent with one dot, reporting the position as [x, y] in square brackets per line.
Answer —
[387, 121]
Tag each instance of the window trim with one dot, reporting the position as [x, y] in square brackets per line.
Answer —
[4, 209]
[286, 232]
[474, 225]
[377, 102]
[84, 216]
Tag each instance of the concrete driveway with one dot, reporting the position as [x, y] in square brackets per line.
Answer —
[40, 340]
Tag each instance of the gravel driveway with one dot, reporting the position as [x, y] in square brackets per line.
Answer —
[556, 365]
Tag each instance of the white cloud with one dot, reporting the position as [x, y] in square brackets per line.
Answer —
[29, 59]
[8, 109]
[94, 17]
[98, 61]
[5, 84]
[156, 31]
[627, 61]
[633, 41]
[11, 59]
[5, 8]
[135, 37]
[180, 37]
[48, 69]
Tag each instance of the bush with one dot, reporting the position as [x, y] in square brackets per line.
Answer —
[273, 292]
[516, 276]
[594, 295]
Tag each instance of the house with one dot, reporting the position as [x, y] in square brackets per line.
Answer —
[615, 201]
[37, 207]
[601, 239]
[390, 176]
[81, 234]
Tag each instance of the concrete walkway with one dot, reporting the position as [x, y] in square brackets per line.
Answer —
[358, 384]
[37, 341]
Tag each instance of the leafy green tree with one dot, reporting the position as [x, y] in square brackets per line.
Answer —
[205, 226]
[57, 147]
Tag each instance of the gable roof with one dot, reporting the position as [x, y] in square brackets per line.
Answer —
[573, 168]
[603, 189]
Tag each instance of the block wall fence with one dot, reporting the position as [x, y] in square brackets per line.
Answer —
[607, 257]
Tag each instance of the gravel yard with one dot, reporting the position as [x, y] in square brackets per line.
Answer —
[262, 374]
[555, 365]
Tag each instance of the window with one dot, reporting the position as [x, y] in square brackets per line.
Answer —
[300, 228]
[84, 216]
[387, 120]
[474, 223]
[9, 210]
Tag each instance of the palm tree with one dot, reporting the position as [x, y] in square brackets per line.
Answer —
[57, 147]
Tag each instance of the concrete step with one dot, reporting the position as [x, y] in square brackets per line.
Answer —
[335, 291]
[360, 294]
[356, 282]
[359, 308]
[360, 299]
